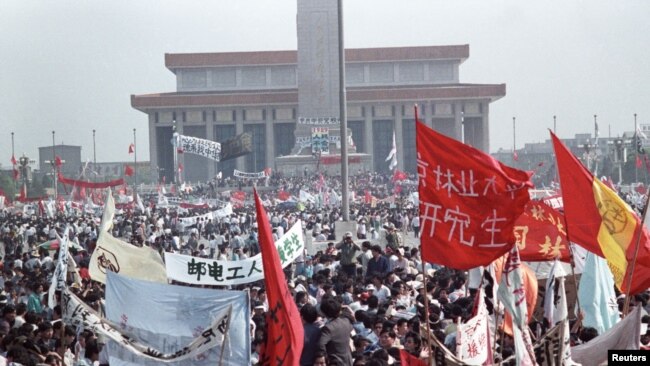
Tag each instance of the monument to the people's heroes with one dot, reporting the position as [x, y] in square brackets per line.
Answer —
[317, 135]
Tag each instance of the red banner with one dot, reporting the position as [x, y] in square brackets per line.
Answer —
[469, 201]
[336, 159]
[90, 185]
[407, 359]
[541, 235]
[285, 334]
[237, 198]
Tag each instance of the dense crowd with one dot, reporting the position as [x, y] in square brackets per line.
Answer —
[362, 297]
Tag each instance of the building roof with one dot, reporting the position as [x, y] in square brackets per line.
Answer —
[175, 61]
[290, 96]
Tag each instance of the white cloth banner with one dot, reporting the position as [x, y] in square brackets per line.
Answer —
[624, 335]
[203, 271]
[240, 174]
[114, 255]
[81, 316]
[472, 338]
[214, 215]
[512, 294]
[181, 314]
[61, 270]
[194, 145]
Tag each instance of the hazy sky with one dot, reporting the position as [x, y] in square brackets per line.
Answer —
[71, 65]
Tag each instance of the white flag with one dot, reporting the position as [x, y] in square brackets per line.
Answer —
[392, 155]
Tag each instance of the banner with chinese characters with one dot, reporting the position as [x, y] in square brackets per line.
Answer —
[213, 215]
[81, 316]
[194, 145]
[205, 271]
[181, 314]
[240, 174]
[472, 337]
[320, 141]
[540, 234]
[469, 201]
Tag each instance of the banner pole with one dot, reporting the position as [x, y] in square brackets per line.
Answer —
[626, 306]
[426, 311]
[225, 337]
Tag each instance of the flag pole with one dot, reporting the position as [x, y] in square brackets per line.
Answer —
[135, 165]
[225, 337]
[626, 306]
[424, 277]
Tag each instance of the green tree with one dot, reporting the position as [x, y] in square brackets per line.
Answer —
[8, 186]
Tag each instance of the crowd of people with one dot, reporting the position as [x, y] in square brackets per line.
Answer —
[362, 298]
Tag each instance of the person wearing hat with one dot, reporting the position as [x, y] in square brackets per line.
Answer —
[393, 238]
[348, 250]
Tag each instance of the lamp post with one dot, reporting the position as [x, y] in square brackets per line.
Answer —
[636, 151]
[13, 155]
[514, 136]
[94, 155]
[345, 207]
[554, 126]
[54, 175]
[135, 165]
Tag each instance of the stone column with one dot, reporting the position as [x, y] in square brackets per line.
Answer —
[270, 146]
[485, 139]
[399, 137]
[181, 157]
[153, 143]
[209, 135]
[458, 121]
[239, 128]
[367, 135]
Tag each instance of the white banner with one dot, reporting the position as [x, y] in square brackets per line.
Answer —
[214, 215]
[181, 314]
[194, 145]
[114, 255]
[81, 316]
[61, 270]
[203, 271]
[240, 174]
[472, 338]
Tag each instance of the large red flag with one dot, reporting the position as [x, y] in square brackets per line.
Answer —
[469, 201]
[541, 235]
[601, 222]
[284, 334]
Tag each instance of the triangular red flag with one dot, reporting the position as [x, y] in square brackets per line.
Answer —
[469, 201]
[128, 171]
[131, 148]
[285, 334]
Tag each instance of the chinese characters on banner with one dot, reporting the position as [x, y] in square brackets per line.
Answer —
[469, 201]
[472, 337]
[285, 334]
[194, 145]
[204, 271]
[320, 141]
[541, 235]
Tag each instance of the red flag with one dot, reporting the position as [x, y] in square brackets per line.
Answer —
[283, 195]
[407, 359]
[541, 235]
[469, 201]
[13, 160]
[601, 222]
[57, 161]
[16, 173]
[23, 193]
[399, 175]
[128, 171]
[639, 163]
[285, 334]
[131, 148]
[367, 196]
[179, 150]
[515, 156]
